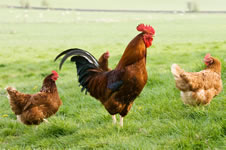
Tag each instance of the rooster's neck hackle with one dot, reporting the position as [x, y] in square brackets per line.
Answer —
[135, 51]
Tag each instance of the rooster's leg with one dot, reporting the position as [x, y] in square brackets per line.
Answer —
[114, 119]
[18, 118]
[45, 120]
[121, 121]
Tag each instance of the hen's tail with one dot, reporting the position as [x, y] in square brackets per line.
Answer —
[11, 91]
[86, 64]
[176, 71]
[16, 102]
[180, 77]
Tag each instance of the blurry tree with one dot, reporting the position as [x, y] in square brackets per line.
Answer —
[192, 6]
[45, 3]
[25, 3]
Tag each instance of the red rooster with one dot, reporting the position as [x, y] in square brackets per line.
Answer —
[32, 109]
[116, 89]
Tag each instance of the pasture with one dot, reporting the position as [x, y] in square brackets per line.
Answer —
[30, 40]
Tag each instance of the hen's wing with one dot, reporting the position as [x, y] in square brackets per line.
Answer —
[195, 80]
[40, 98]
[203, 79]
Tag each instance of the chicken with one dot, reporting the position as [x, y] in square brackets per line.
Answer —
[199, 88]
[118, 88]
[103, 61]
[32, 109]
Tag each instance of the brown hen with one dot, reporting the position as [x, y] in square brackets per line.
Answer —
[32, 109]
[199, 88]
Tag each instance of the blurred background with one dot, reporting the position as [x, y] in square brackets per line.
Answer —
[183, 5]
[55, 19]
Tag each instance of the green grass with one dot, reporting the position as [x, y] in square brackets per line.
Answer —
[158, 118]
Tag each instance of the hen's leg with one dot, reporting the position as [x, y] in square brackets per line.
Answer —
[121, 121]
[114, 119]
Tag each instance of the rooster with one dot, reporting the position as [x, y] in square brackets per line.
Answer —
[199, 88]
[32, 109]
[118, 88]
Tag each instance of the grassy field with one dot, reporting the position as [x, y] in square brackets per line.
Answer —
[30, 40]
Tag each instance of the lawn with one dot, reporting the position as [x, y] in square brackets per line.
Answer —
[30, 40]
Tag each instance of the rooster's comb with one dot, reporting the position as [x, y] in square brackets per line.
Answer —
[207, 55]
[146, 29]
[55, 73]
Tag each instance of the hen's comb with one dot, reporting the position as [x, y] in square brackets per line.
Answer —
[146, 29]
[54, 73]
[207, 56]
[107, 52]
[106, 55]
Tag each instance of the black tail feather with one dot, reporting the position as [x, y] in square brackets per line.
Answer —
[64, 52]
[84, 88]
[84, 61]
[83, 76]
[77, 52]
